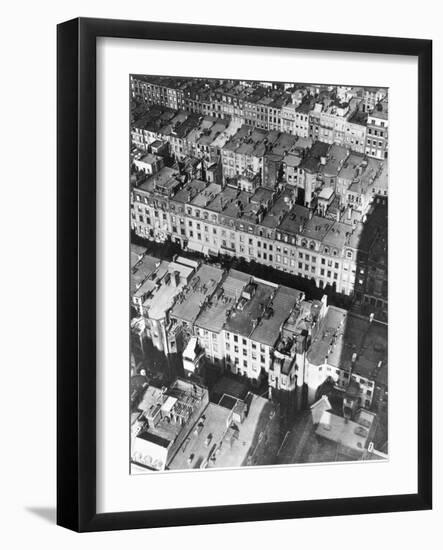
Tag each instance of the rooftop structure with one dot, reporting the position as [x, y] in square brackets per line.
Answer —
[165, 419]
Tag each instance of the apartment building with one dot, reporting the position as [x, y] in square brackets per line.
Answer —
[161, 422]
[346, 348]
[377, 132]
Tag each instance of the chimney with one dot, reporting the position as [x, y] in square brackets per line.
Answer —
[175, 279]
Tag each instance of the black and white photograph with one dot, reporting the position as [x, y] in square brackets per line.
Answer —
[258, 273]
[231, 336]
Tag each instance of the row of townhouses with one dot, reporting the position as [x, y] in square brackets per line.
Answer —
[257, 329]
[328, 245]
[354, 117]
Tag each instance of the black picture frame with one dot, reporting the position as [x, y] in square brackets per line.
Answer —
[76, 277]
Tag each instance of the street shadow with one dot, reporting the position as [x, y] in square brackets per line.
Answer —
[46, 513]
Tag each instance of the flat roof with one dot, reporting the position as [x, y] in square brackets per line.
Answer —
[343, 431]
[185, 398]
[242, 321]
[336, 156]
[244, 436]
[209, 429]
[203, 284]
[337, 235]
[350, 166]
[268, 329]
[295, 218]
[213, 315]
[161, 301]
[292, 160]
[341, 334]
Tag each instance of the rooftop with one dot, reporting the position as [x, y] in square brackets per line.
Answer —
[165, 178]
[190, 191]
[282, 205]
[268, 329]
[142, 271]
[353, 435]
[350, 166]
[167, 415]
[202, 285]
[243, 437]
[342, 334]
[198, 446]
[137, 252]
[316, 228]
[171, 284]
[212, 317]
[243, 319]
[336, 157]
[149, 158]
[218, 441]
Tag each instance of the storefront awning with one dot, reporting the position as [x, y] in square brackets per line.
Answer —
[195, 246]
